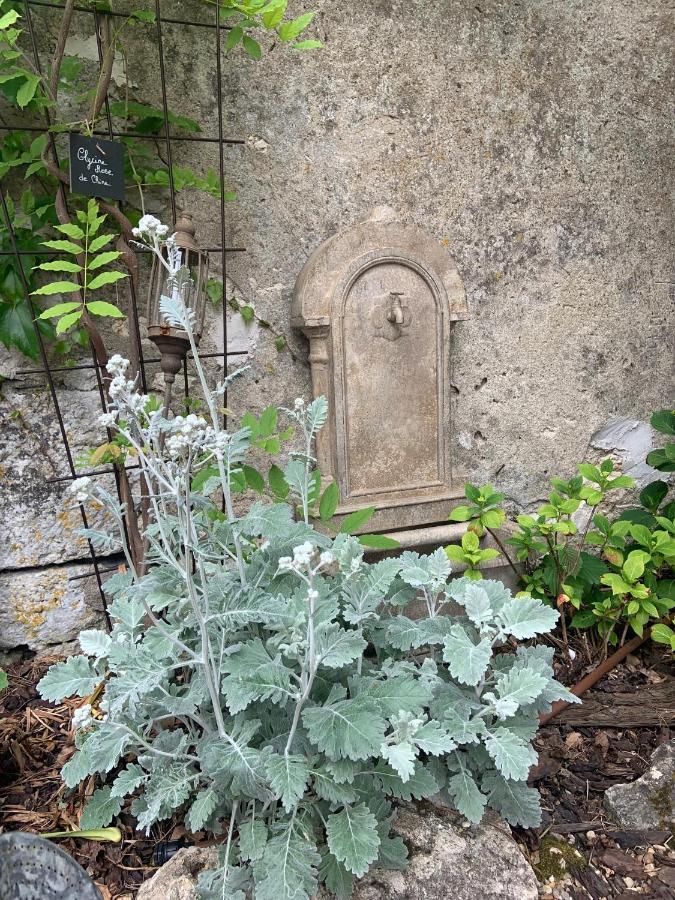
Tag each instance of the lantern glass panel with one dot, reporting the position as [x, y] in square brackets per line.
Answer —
[192, 291]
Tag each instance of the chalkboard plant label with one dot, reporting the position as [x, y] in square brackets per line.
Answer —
[96, 167]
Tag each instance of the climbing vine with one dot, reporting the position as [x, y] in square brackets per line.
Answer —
[36, 199]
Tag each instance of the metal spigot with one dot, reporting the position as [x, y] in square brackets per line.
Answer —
[395, 311]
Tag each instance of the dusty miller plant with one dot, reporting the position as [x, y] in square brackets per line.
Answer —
[260, 677]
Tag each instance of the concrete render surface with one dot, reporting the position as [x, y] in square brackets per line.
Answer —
[529, 140]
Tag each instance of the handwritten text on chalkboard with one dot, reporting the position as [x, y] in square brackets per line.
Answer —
[96, 167]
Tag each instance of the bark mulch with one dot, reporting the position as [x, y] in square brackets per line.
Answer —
[576, 765]
[35, 741]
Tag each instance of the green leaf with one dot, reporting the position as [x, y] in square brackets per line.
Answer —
[60, 265]
[144, 15]
[60, 309]
[664, 421]
[512, 755]
[353, 838]
[326, 787]
[336, 878]
[288, 778]
[590, 568]
[100, 810]
[287, 868]
[103, 259]
[278, 483]
[419, 786]
[105, 278]
[400, 692]
[71, 230]
[661, 459]
[433, 739]
[9, 18]
[492, 518]
[329, 502]
[95, 642]
[57, 287]
[73, 678]
[234, 37]
[127, 781]
[468, 661]
[378, 542]
[204, 804]
[27, 90]
[592, 473]
[401, 757]
[467, 796]
[68, 320]
[99, 242]
[662, 634]
[336, 647]
[347, 728]
[356, 520]
[462, 513]
[516, 802]
[254, 479]
[476, 603]
[3, 680]
[525, 617]
[252, 47]
[308, 45]
[653, 495]
[64, 246]
[254, 675]
[101, 308]
[252, 839]
[634, 565]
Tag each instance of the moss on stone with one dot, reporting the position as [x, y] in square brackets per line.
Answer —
[557, 858]
[663, 802]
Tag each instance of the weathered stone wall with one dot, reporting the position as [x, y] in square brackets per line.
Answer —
[531, 137]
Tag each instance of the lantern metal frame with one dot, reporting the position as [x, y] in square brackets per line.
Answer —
[172, 343]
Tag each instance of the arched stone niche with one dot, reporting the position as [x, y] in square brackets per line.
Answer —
[378, 302]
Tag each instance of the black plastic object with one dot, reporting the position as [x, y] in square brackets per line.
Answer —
[33, 868]
[163, 851]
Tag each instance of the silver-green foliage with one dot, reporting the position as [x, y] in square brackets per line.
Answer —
[261, 680]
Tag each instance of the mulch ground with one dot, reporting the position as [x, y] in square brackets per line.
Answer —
[577, 764]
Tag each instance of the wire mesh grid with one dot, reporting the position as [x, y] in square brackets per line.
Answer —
[100, 565]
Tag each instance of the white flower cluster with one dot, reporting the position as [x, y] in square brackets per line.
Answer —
[82, 717]
[79, 489]
[302, 558]
[150, 228]
[122, 390]
[187, 431]
[107, 419]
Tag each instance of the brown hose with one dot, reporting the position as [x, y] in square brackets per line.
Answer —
[594, 676]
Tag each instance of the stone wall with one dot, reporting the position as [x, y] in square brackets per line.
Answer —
[530, 137]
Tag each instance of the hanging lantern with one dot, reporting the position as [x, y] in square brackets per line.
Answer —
[173, 343]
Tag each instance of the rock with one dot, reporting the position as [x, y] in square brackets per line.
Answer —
[451, 863]
[649, 802]
[43, 610]
[446, 863]
[177, 879]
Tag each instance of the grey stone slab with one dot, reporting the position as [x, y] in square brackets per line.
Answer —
[648, 802]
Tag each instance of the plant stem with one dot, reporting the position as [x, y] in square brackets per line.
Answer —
[503, 550]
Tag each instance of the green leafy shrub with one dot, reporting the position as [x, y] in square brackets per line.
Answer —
[615, 575]
[261, 679]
